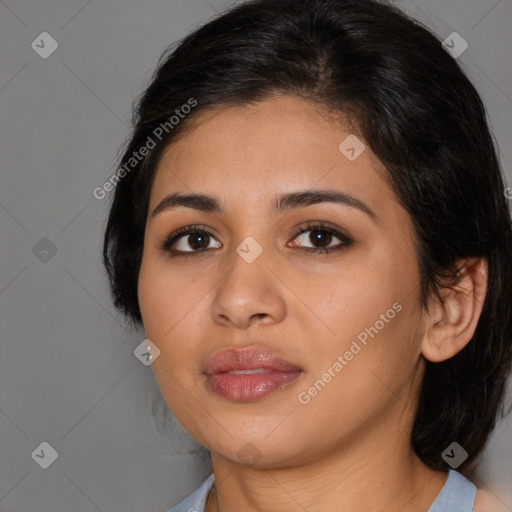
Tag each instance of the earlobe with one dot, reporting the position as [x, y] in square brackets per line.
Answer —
[452, 324]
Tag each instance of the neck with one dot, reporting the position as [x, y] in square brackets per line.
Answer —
[380, 475]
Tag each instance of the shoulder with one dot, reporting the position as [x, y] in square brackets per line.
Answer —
[486, 501]
[195, 502]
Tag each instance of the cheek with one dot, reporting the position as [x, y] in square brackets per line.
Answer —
[368, 361]
[369, 317]
[346, 302]
[174, 307]
[169, 300]
[169, 312]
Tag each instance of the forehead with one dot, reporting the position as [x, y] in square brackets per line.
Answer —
[250, 153]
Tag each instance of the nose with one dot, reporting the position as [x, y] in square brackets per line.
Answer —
[248, 294]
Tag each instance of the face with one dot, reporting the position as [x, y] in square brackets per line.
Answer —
[345, 324]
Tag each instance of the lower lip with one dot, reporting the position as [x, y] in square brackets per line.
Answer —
[249, 387]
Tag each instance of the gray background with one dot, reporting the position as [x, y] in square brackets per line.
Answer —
[68, 375]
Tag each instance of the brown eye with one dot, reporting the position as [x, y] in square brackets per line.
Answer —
[198, 241]
[191, 239]
[323, 238]
[320, 237]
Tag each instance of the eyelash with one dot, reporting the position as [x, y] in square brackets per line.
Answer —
[311, 226]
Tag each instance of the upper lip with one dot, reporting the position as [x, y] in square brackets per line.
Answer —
[247, 359]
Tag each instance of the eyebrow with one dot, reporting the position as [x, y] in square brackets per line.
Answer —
[302, 198]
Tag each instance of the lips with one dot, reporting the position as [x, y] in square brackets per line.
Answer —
[231, 360]
[246, 375]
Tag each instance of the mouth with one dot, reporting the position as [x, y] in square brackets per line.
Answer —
[249, 372]
[247, 375]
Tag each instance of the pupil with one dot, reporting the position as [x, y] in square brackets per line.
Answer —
[197, 236]
[321, 237]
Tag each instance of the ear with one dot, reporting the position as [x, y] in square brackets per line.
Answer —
[452, 324]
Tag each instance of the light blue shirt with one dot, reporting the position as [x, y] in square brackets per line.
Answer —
[457, 495]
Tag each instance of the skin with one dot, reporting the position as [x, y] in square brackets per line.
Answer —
[354, 435]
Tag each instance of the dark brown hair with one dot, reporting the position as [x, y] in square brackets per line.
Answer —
[421, 116]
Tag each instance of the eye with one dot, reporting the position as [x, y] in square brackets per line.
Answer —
[190, 239]
[323, 235]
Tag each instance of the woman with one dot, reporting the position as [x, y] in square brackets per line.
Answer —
[312, 228]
